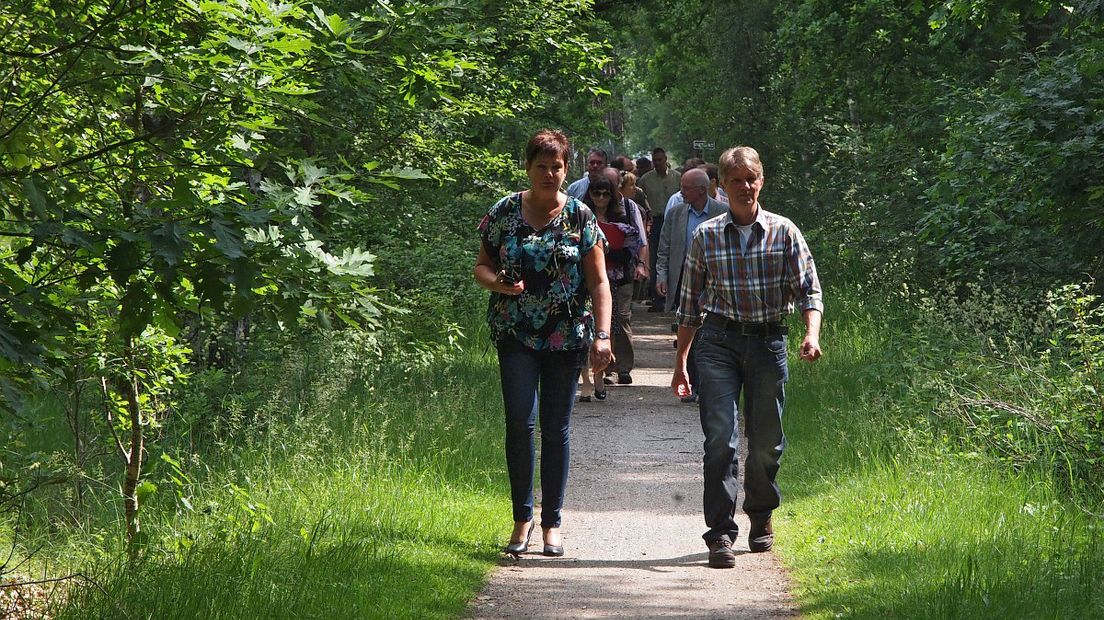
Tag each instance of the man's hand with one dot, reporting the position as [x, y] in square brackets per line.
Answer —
[810, 349]
[680, 382]
[661, 288]
[641, 272]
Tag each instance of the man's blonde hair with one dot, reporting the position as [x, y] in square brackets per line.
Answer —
[739, 157]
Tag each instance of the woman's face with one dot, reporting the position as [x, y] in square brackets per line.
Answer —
[628, 189]
[546, 173]
[601, 197]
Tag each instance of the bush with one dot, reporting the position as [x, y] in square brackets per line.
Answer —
[1021, 379]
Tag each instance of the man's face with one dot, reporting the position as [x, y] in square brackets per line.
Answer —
[595, 164]
[742, 184]
[659, 160]
[692, 190]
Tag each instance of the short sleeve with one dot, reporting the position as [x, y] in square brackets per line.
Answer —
[638, 221]
[490, 228]
[590, 234]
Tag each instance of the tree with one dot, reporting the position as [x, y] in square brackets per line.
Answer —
[166, 167]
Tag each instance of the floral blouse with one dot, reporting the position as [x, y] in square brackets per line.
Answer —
[554, 312]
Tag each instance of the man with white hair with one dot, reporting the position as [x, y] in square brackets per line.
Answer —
[679, 224]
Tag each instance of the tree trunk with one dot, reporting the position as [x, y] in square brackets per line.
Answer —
[133, 458]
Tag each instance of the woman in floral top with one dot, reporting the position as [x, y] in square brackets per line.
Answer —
[542, 258]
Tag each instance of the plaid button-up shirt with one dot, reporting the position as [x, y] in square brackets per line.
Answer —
[758, 283]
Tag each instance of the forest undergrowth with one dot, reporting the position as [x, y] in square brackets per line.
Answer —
[368, 493]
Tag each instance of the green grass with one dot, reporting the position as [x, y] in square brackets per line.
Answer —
[883, 520]
[393, 503]
[388, 499]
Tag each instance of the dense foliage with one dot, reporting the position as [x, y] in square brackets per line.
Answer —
[199, 199]
[180, 179]
[945, 155]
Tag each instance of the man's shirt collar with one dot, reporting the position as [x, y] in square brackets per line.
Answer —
[760, 217]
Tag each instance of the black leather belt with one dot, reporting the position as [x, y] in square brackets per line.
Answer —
[745, 329]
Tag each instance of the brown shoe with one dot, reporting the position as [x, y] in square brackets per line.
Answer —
[761, 536]
[721, 554]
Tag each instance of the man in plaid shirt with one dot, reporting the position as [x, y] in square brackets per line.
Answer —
[744, 273]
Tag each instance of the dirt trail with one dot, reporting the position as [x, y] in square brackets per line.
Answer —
[632, 522]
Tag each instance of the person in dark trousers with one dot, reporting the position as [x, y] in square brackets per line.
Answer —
[678, 227]
[625, 211]
[658, 184]
[542, 257]
[744, 273]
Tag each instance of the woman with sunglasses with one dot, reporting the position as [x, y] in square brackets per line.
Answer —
[623, 245]
[542, 257]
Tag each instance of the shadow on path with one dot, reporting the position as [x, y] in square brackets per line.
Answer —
[632, 522]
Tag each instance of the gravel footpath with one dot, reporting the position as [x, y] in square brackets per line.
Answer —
[632, 521]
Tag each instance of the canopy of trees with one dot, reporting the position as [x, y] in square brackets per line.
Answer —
[177, 177]
[940, 141]
[172, 173]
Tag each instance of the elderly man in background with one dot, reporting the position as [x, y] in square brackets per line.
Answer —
[678, 227]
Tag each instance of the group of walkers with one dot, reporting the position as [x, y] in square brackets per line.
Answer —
[562, 269]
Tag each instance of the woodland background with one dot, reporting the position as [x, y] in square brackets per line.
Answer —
[230, 229]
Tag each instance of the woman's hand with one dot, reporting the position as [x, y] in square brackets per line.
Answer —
[508, 286]
[489, 276]
[601, 355]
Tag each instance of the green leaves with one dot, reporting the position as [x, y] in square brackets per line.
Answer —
[36, 198]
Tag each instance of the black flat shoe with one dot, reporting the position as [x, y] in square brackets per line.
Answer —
[600, 394]
[518, 548]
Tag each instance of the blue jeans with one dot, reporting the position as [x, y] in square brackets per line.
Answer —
[730, 364]
[530, 378]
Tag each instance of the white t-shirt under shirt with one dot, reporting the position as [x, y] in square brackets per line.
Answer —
[745, 234]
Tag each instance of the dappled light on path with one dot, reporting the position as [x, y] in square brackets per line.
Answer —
[632, 520]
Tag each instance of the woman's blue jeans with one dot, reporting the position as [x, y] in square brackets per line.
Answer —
[730, 364]
[530, 379]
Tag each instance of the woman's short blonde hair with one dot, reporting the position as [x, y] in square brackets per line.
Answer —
[627, 178]
[739, 157]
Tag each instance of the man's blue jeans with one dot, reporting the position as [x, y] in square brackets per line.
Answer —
[531, 378]
[730, 364]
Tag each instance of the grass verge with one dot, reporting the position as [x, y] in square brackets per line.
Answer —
[884, 520]
[390, 504]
